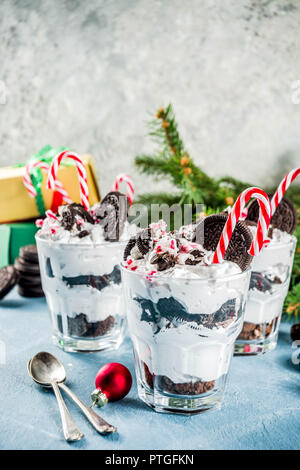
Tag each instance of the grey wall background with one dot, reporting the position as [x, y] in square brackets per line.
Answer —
[86, 74]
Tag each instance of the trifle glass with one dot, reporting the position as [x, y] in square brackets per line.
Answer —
[270, 278]
[81, 277]
[184, 315]
[82, 284]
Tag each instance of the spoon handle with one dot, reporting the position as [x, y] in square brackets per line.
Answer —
[99, 423]
[70, 429]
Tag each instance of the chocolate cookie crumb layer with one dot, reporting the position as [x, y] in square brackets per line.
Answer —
[187, 388]
[253, 331]
[80, 327]
[148, 376]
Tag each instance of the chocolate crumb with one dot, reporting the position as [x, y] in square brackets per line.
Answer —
[83, 233]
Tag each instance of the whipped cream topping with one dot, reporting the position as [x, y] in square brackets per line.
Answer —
[174, 254]
[52, 228]
[278, 236]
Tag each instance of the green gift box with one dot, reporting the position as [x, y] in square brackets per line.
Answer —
[12, 238]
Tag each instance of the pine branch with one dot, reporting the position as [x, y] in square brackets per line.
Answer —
[236, 185]
[159, 198]
[152, 165]
[167, 130]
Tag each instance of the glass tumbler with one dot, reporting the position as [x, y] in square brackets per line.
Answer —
[270, 278]
[82, 284]
[183, 332]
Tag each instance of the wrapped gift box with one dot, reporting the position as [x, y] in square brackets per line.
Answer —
[12, 237]
[15, 202]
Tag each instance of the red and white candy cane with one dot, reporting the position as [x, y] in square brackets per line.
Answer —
[27, 176]
[283, 186]
[81, 171]
[31, 189]
[130, 186]
[234, 217]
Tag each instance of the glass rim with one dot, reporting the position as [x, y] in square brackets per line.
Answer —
[277, 245]
[48, 241]
[170, 278]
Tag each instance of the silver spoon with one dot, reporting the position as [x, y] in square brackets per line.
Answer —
[46, 372]
[99, 423]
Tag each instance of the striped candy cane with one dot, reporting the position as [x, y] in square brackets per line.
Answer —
[279, 193]
[31, 189]
[81, 171]
[130, 186]
[235, 215]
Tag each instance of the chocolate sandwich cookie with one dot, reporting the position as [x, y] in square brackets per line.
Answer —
[142, 244]
[284, 218]
[25, 267]
[130, 245]
[112, 214]
[8, 279]
[34, 291]
[208, 233]
[70, 212]
[29, 253]
[29, 280]
[144, 241]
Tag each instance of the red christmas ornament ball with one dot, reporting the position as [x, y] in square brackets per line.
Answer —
[114, 380]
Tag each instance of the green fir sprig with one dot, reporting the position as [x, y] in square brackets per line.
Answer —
[172, 161]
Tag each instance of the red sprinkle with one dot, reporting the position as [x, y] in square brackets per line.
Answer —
[39, 222]
[172, 245]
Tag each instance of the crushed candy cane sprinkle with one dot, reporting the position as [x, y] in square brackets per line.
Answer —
[165, 250]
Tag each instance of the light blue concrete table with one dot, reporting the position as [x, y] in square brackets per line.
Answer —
[261, 408]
